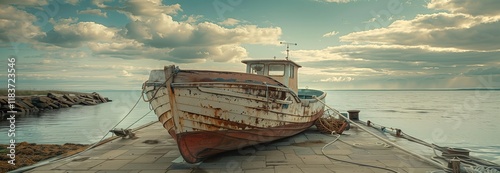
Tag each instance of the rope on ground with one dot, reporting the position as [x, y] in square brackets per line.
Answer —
[360, 164]
[103, 137]
[387, 141]
[328, 125]
[333, 125]
[378, 146]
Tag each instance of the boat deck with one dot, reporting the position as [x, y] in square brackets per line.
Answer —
[155, 151]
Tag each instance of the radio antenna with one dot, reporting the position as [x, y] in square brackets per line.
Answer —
[288, 48]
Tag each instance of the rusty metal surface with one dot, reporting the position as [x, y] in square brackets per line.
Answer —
[231, 107]
[215, 142]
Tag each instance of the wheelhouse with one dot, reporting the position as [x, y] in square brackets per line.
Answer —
[284, 71]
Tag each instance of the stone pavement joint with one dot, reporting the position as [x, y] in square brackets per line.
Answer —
[296, 154]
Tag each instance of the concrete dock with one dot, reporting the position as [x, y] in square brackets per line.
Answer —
[156, 151]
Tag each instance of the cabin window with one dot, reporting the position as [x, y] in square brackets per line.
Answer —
[276, 70]
[257, 69]
[291, 71]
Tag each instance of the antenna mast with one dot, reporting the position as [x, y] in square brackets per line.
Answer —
[288, 48]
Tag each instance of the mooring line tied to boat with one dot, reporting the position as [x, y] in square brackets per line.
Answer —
[447, 153]
[470, 163]
[433, 162]
[127, 131]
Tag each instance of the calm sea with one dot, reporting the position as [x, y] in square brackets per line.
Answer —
[455, 118]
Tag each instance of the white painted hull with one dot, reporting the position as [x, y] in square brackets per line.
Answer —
[196, 108]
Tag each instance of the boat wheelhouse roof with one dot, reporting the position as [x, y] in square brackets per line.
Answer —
[270, 61]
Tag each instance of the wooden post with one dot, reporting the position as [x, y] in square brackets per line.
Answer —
[454, 165]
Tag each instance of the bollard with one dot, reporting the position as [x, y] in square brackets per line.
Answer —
[398, 132]
[353, 114]
[454, 165]
[458, 151]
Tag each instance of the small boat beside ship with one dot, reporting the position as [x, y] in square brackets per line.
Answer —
[209, 112]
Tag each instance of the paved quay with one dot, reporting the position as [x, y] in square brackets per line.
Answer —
[155, 151]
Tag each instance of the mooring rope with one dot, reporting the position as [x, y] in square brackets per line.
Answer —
[96, 143]
[360, 164]
[139, 119]
[469, 160]
[385, 140]
[88, 148]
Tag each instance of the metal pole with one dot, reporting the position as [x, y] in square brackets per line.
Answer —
[288, 48]
[287, 51]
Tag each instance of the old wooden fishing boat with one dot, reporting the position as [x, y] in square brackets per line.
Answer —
[209, 112]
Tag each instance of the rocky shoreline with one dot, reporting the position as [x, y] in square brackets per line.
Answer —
[32, 102]
[25, 105]
[31, 153]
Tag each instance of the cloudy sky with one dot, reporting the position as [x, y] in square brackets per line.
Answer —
[342, 44]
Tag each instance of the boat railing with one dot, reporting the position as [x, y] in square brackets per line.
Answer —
[310, 93]
[211, 87]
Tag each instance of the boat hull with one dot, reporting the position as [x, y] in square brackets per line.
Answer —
[203, 144]
[210, 112]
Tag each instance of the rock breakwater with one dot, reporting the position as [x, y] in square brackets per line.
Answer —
[25, 105]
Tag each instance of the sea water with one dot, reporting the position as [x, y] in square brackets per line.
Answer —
[81, 124]
[454, 118]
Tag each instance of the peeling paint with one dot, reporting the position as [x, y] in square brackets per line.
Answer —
[235, 106]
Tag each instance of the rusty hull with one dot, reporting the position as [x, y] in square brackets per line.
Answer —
[208, 112]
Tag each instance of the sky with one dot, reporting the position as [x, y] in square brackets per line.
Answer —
[341, 44]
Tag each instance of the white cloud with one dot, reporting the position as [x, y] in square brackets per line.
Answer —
[370, 62]
[192, 18]
[100, 3]
[330, 34]
[72, 2]
[196, 42]
[126, 73]
[152, 33]
[339, 1]
[459, 31]
[97, 12]
[149, 8]
[17, 26]
[337, 79]
[163, 32]
[26, 2]
[216, 53]
[71, 35]
[229, 22]
[473, 7]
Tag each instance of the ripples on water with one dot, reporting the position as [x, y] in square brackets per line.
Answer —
[466, 119]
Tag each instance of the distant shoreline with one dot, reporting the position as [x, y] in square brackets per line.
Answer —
[432, 89]
[25, 102]
[38, 92]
